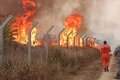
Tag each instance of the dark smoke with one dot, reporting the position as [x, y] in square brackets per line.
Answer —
[10, 7]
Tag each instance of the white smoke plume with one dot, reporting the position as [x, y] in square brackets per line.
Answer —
[104, 20]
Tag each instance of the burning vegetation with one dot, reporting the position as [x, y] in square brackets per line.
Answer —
[61, 61]
[69, 38]
[24, 22]
[72, 24]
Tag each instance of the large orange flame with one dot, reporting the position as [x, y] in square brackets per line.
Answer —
[24, 22]
[72, 24]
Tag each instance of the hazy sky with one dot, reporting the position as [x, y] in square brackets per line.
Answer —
[104, 20]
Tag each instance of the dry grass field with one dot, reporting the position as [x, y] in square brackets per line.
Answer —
[61, 64]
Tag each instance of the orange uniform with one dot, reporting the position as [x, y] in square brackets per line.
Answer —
[105, 55]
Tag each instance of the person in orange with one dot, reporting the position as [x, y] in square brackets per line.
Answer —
[105, 50]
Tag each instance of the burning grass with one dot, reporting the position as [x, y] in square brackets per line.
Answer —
[62, 61]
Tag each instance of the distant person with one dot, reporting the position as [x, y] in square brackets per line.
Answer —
[117, 55]
[105, 55]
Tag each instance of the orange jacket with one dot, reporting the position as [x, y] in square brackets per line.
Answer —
[105, 49]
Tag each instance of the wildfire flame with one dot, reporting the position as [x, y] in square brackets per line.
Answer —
[72, 24]
[92, 43]
[69, 38]
[24, 22]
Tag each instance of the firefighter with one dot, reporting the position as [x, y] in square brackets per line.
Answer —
[105, 50]
[117, 56]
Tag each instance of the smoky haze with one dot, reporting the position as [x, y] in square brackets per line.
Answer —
[101, 17]
[54, 13]
[104, 20]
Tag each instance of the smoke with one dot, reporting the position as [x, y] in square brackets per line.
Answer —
[101, 17]
[54, 14]
[104, 19]
[10, 7]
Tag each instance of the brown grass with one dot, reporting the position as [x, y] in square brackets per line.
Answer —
[61, 61]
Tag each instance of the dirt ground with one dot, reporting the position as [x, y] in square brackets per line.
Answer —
[110, 75]
[94, 71]
[91, 71]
